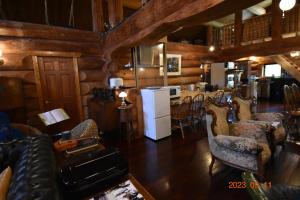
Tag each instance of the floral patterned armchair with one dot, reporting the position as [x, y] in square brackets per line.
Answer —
[244, 112]
[247, 150]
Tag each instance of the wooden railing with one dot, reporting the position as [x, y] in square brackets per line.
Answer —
[258, 29]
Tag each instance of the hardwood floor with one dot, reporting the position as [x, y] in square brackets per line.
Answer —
[176, 168]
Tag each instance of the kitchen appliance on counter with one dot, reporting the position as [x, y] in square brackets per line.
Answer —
[174, 91]
[156, 110]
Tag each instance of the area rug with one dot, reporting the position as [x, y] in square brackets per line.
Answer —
[125, 190]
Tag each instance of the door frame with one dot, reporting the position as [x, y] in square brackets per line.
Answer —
[74, 56]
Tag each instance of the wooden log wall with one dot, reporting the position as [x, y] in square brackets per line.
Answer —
[18, 50]
[16, 65]
[192, 58]
[90, 76]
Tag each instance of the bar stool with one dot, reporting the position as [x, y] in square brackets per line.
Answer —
[125, 113]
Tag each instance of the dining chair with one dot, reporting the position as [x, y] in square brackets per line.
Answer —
[295, 94]
[218, 97]
[197, 108]
[180, 114]
[292, 109]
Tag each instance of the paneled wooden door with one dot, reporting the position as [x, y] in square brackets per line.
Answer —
[58, 85]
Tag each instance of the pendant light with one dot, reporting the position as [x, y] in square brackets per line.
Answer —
[286, 5]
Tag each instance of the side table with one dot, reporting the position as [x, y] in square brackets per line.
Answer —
[125, 113]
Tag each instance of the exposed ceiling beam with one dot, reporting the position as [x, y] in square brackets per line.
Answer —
[273, 47]
[147, 25]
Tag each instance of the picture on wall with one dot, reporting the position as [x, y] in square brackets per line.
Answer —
[173, 64]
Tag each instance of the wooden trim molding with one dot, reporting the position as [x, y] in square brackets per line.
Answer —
[55, 54]
[38, 82]
[77, 86]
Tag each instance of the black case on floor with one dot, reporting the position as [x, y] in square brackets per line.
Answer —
[90, 172]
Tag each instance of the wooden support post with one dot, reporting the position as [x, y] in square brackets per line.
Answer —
[209, 36]
[276, 20]
[97, 14]
[238, 28]
[136, 78]
[115, 12]
[165, 69]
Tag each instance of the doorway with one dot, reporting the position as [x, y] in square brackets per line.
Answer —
[59, 88]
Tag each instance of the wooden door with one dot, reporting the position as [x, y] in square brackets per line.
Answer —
[58, 86]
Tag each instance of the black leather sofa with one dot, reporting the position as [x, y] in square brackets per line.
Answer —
[34, 169]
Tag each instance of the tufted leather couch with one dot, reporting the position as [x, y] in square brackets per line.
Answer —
[34, 171]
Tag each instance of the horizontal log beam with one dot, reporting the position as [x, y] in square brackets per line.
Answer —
[26, 76]
[90, 62]
[28, 30]
[273, 47]
[183, 80]
[91, 75]
[26, 45]
[147, 25]
[190, 48]
[86, 87]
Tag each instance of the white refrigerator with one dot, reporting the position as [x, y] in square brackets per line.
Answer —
[156, 109]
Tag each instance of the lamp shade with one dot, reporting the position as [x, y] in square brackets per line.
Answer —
[123, 94]
[285, 5]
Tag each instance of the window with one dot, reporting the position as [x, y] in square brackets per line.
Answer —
[272, 70]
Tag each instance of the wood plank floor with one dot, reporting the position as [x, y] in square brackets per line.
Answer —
[176, 168]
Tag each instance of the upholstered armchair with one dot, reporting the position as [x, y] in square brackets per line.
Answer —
[244, 112]
[26, 129]
[247, 150]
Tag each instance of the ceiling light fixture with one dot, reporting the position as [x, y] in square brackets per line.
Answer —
[286, 5]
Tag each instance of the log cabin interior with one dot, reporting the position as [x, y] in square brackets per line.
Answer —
[149, 99]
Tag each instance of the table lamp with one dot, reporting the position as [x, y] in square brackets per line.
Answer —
[123, 95]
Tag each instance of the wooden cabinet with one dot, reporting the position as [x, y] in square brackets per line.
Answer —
[105, 114]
